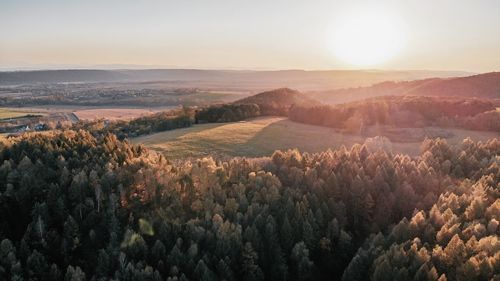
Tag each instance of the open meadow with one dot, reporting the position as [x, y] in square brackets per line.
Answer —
[6, 113]
[115, 113]
[262, 136]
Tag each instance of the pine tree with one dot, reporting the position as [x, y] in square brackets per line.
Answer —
[74, 274]
[286, 235]
[249, 268]
[302, 264]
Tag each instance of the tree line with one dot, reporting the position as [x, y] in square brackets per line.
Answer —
[227, 113]
[158, 122]
[354, 117]
[270, 103]
[406, 111]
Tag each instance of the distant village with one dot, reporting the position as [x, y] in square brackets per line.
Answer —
[32, 123]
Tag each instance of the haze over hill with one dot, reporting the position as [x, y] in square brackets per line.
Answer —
[485, 85]
[254, 80]
[284, 97]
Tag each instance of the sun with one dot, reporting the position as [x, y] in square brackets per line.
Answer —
[367, 37]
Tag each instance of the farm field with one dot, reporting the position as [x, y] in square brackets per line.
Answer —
[115, 113]
[87, 113]
[262, 136]
[13, 113]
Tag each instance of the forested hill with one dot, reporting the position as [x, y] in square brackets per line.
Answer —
[78, 207]
[283, 98]
[486, 86]
[277, 102]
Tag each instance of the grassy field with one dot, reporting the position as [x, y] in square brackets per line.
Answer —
[257, 137]
[262, 136]
[11, 113]
[83, 112]
[114, 113]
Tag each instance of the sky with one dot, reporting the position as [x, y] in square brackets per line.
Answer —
[251, 34]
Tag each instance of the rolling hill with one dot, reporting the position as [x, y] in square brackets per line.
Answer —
[478, 86]
[277, 102]
[283, 97]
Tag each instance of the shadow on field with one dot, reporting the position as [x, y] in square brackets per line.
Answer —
[286, 134]
[177, 133]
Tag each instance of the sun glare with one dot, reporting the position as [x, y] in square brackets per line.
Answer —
[367, 37]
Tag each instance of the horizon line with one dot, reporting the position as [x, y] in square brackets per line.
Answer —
[235, 69]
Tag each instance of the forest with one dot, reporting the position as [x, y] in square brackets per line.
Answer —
[225, 140]
[277, 102]
[405, 111]
[158, 122]
[82, 206]
[227, 113]
[356, 117]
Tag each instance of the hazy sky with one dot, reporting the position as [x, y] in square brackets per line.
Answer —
[250, 34]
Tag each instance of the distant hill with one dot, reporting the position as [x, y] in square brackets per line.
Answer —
[226, 79]
[61, 76]
[482, 86]
[479, 86]
[278, 101]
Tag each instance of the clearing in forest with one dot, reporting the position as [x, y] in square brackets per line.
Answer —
[262, 136]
